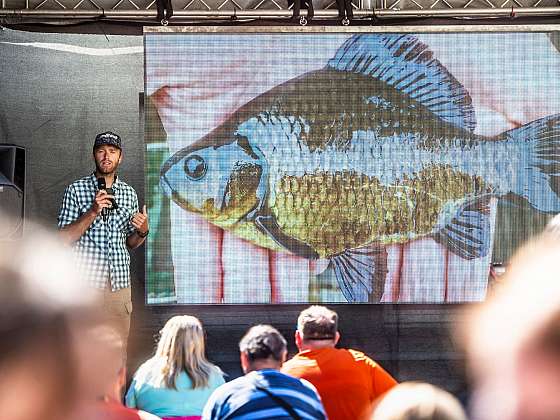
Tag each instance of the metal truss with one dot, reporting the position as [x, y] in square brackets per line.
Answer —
[201, 10]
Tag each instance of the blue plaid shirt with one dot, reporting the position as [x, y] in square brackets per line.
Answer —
[101, 252]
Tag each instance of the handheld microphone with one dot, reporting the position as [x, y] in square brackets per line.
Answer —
[101, 185]
[114, 205]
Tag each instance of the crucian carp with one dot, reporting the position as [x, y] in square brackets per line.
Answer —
[376, 148]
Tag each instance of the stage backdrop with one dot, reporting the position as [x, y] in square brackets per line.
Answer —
[345, 167]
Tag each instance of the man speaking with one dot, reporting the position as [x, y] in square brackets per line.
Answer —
[99, 216]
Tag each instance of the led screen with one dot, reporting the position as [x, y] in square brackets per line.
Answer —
[345, 167]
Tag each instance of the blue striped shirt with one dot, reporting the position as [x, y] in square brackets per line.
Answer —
[240, 399]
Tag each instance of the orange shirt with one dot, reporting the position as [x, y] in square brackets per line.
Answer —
[347, 380]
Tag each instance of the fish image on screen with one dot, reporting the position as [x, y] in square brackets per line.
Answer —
[340, 165]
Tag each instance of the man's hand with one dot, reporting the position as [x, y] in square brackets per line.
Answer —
[102, 201]
[72, 232]
[140, 221]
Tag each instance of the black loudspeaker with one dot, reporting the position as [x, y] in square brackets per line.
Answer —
[12, 191]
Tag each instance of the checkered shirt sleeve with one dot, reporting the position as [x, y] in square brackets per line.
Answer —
[101, 253]
[69, 210]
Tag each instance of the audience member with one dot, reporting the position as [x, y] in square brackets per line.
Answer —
[418, 401]
[110, 407]
[347, 380]
[513, 340]
[178, 380]
[264, 392]
[43, 308]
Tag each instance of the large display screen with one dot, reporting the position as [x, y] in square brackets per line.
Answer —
[345, 167]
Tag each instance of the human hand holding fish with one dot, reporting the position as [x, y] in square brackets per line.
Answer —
[182, 105]
[502, 100]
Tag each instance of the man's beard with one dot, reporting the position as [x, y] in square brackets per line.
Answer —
[100, 170]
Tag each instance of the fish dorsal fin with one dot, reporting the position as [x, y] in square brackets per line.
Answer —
[467, 234]
[407, 64]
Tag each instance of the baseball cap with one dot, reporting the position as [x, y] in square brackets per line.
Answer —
[109, 138]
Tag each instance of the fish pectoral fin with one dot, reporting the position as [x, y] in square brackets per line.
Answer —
[361, 273]
[269, 226]
[468, 232]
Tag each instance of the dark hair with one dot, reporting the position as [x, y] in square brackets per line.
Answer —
[318, 323]
[262, 342]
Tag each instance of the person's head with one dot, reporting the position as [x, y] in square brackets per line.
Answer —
[317, 327]
[109, 378]
[107, 153]
[110, 375]
[181, 349]
[418, 401]
[43, 308]
[262, 347]
[513, 340]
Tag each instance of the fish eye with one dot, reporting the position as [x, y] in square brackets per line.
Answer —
[195, 167]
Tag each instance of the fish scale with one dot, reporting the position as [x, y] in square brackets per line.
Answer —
[371, 213]
[478, 160]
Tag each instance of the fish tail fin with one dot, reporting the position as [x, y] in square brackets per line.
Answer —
[538, 178]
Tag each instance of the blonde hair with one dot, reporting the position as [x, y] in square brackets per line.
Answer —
[181, 349]
[418, 401]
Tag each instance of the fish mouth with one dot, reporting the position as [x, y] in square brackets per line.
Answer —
[174, 195]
